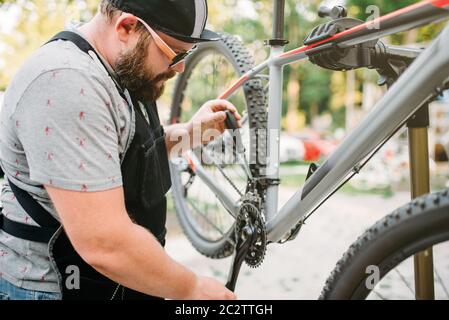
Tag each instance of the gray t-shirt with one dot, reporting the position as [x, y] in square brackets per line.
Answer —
[63, 123]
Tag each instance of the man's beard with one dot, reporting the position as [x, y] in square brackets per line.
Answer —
[135, 76]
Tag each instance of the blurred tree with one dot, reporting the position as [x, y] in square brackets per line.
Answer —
[308, 90]
[307, 86]
[252, 21]
[358, 7]
[361, 9]
[37, 22]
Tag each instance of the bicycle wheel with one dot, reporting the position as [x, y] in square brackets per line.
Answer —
[209, 71]
[387, 249]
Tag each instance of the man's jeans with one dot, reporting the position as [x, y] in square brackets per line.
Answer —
[10, 292]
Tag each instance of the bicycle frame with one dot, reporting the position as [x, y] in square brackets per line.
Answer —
[404, 98]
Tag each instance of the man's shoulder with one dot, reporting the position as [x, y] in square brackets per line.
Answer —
[62, 54]
[53, 59]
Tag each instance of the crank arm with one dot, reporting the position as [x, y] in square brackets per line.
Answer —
[241, 251]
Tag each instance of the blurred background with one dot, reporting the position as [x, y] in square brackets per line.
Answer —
[319, 108]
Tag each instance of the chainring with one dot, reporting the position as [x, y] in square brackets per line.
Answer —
[249, 214]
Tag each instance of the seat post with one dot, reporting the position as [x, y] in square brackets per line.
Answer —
[278, 22]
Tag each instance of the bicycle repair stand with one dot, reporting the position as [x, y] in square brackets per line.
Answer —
[390, 62]
[420, 185]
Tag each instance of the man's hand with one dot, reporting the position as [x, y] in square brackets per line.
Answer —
[210, 289]
[208, 123]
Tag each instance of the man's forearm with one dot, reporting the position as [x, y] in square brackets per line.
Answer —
[139, 262]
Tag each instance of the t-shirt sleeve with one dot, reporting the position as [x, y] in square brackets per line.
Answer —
[69, 133]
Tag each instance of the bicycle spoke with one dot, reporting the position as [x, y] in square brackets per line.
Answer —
[219, 217]
[240, 177]
[211, 217]
[441, 283]
[379, 295]
[230, 181]
[202, 221]
[236, 170]
[223, 174]
[205, 218]
[215, 68]
[405, 281]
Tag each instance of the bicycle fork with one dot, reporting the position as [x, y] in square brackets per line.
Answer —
[420, 184]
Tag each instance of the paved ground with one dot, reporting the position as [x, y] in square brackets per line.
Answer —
[298, 269]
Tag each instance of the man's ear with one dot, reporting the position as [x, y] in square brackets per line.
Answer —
[126, 27]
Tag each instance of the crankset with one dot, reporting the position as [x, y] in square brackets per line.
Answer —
[251, 238]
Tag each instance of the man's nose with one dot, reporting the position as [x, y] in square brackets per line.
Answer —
[180, 67]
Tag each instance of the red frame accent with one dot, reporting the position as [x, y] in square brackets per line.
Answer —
[234, 86]
[440, 3]
[436, 3]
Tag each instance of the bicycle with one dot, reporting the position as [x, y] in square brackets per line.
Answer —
[244, 184]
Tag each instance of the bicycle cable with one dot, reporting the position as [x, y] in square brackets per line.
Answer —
[356, 170]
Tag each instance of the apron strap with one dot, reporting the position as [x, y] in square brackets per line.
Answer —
[48, 225]
[26, 232]
[41, 216]
[85, 47]
[80, 42]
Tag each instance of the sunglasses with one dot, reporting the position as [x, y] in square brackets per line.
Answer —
[174, 57]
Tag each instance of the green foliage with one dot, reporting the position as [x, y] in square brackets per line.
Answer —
[358, 7]
[318, 90]
[315, 91]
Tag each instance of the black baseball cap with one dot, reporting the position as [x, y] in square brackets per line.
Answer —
[184, 20]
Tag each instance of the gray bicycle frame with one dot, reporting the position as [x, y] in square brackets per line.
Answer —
[415, 87]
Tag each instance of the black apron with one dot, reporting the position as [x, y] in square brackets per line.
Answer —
[146, 180]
